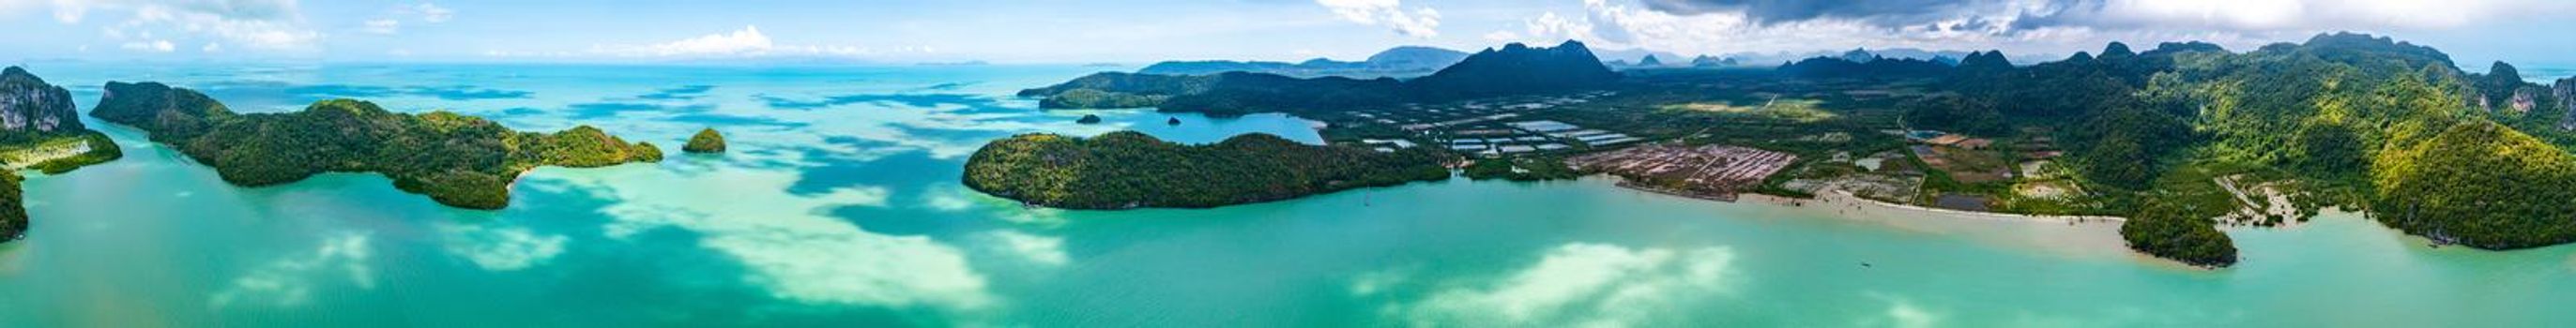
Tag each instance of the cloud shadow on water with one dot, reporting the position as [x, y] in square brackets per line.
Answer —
[612, 109]
[736, 120]
[686, 92]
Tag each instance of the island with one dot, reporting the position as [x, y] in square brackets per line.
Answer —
[706, 141]
[40, 129]
[2176, 141]
[1127, 169]
[1087, 119]
[457, 160]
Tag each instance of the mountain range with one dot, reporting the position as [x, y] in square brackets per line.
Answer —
[1400, 62]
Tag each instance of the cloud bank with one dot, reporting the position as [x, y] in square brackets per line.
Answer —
[1733, 26]
[1420, 22]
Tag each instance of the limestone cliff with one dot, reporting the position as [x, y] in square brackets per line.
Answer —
[30, 109]
[2565, 89]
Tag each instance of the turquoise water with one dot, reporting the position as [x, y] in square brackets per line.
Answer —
[840, 207]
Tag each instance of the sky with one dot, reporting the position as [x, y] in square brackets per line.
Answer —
[1133, 31]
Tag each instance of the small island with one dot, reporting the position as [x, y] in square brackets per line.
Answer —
[457, 160]
[40, 129]
[706, 141]
[1127, 169]
[1088, 119]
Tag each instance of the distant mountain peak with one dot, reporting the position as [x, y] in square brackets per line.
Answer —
[1518, 69]
[1404, 61]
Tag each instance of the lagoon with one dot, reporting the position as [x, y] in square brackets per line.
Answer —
[840, 206]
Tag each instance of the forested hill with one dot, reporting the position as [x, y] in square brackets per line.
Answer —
[40, 128]
[1128, 169]
[1514, 69]
[2362, 121]
[458, 160]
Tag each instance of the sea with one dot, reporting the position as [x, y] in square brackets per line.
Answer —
[840, 205]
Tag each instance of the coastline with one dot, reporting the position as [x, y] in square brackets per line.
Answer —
[2072, 236]
[1844, 197]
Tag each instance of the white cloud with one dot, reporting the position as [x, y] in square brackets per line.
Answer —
[152, 46]
[258, 24]
[1585, 285]
[384, 26]
[746, 42]
[2017, 26]
[1420, 22]
[211, 47]
[431, 12]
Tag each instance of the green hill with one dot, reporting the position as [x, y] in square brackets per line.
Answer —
[1127, 169]
[458, 160]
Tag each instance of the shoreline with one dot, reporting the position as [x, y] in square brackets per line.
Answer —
[2071, 236]
[1843, 197]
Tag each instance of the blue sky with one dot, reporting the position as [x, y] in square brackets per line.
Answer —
[1063, 31]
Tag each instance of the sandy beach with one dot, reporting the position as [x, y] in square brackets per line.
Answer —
[2084, 236]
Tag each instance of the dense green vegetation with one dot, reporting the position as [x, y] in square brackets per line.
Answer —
[706, 141]
[42, 131]
[1515, 69]
[2479, 184]
[1127, 169]
[458, 160]
[102, 150]
[2169, 136]
[1094, 98]
[44, 126]
[2358, 121]
[2173, 232]
[13, 207]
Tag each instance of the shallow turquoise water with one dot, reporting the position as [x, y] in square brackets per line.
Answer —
[840, 207]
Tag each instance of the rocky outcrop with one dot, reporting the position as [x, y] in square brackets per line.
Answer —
[2522, 100]
[30, 108]
[2565, 89]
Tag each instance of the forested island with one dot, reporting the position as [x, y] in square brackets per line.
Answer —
[1127, 169]
[457, 160]
[706, 141]
[2181, 138]
[40, 129]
